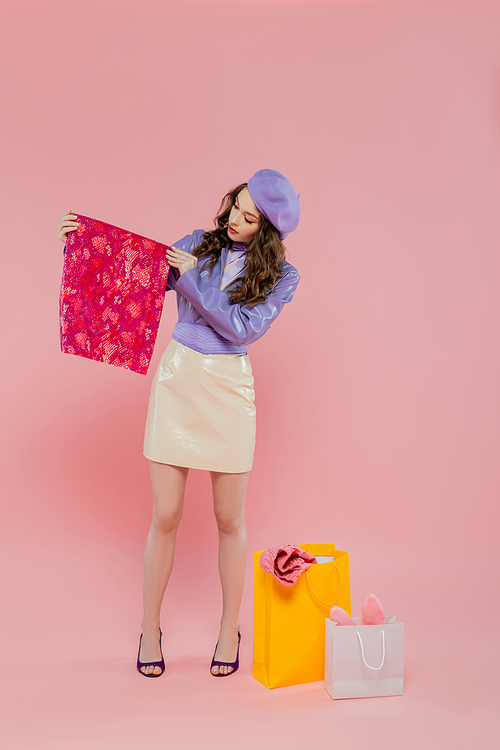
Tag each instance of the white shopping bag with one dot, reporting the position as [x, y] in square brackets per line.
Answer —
[363, 661]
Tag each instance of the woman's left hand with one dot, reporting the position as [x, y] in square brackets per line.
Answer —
[181, 260]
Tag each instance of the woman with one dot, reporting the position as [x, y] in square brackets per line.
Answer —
[231, 283]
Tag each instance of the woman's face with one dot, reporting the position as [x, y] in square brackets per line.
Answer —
[244, 219]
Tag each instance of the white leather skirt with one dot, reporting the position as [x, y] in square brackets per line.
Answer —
[201, 411]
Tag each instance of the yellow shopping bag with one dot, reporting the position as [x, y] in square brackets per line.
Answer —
[289, 621]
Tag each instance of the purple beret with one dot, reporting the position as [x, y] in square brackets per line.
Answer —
[275, 197]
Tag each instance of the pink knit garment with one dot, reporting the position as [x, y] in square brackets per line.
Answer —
[112, 293]
[372, 611]
[340, 616]
[286, 562]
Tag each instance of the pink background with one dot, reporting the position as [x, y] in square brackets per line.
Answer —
[377, 389]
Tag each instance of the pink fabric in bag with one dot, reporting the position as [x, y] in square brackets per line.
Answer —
[286, 562]
[112, 293]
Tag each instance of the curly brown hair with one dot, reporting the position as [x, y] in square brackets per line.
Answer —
[264, 255]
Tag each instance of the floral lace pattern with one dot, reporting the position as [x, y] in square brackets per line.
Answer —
[112, 293]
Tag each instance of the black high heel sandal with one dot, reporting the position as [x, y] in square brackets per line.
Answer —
[160, 664]
[235, 664]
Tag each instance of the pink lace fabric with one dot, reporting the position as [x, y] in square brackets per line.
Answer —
[112, 293]
[286, 562]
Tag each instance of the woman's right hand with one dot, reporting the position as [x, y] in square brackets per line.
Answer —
[67, 224]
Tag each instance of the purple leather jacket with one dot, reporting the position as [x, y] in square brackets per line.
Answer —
[208, 322]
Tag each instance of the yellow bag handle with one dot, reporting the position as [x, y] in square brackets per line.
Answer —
[325, 604]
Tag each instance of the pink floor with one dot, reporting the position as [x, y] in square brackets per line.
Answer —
[70, 681]
[101, 703]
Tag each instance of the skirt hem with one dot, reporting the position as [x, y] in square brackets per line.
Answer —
[199, 468]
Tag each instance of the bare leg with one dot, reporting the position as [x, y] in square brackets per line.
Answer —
[168, 484]
[229, 492]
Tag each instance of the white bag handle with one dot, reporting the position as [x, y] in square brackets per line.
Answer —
[363, 652]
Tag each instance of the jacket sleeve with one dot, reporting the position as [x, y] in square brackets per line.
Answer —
[173, 275]
[239, 323]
